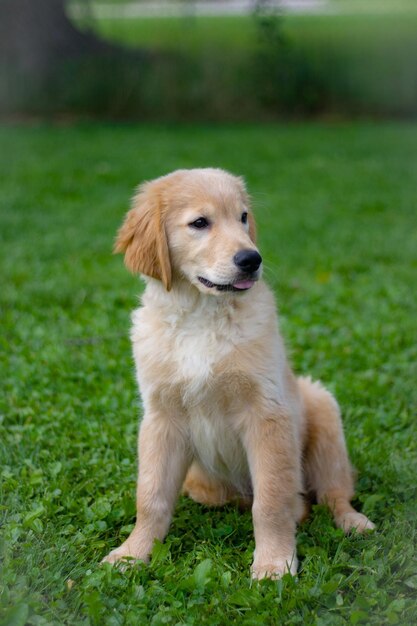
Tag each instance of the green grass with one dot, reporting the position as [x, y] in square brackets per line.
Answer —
[240, 32]
[336, 210]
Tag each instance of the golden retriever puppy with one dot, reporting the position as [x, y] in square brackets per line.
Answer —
[224, 416]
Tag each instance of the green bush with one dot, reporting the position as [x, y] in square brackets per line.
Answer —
[263, 67]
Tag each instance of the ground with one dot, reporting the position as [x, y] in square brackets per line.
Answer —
[336, 210]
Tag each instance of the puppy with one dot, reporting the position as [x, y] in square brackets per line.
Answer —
[224, 416]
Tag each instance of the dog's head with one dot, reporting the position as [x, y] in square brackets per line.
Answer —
[195, 225]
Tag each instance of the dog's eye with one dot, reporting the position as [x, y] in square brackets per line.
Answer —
[200, 223]
[244, 218]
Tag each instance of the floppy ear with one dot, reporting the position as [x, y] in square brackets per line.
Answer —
[247, 201]
[252, 227]
[143, 239]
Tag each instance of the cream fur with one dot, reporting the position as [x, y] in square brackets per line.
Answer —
[224, 416]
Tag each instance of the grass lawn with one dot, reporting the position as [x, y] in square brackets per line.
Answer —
[336, 210]
[195, 33]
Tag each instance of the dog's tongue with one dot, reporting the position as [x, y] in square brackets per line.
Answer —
[244, 284]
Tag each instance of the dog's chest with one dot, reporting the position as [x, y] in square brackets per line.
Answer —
[186, 355]
[218, 448]
[196, 351]
[194, 372]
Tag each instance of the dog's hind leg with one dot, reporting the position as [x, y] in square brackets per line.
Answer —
[326, 465]
[210, 491]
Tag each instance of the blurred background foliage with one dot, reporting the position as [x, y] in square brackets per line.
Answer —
[171, 61]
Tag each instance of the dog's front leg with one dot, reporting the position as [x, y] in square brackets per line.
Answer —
[275, 467]
[164, 458]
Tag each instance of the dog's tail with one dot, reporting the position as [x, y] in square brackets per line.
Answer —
[326, 464]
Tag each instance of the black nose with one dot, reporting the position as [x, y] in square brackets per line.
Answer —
[247, 260]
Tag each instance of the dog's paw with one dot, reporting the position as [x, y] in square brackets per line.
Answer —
[354, 521]
[274, 568]
[121, 554]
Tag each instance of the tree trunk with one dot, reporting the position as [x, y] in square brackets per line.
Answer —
[36, 34]
[48, 66]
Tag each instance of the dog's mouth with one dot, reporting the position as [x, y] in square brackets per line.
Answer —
[239, 285]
